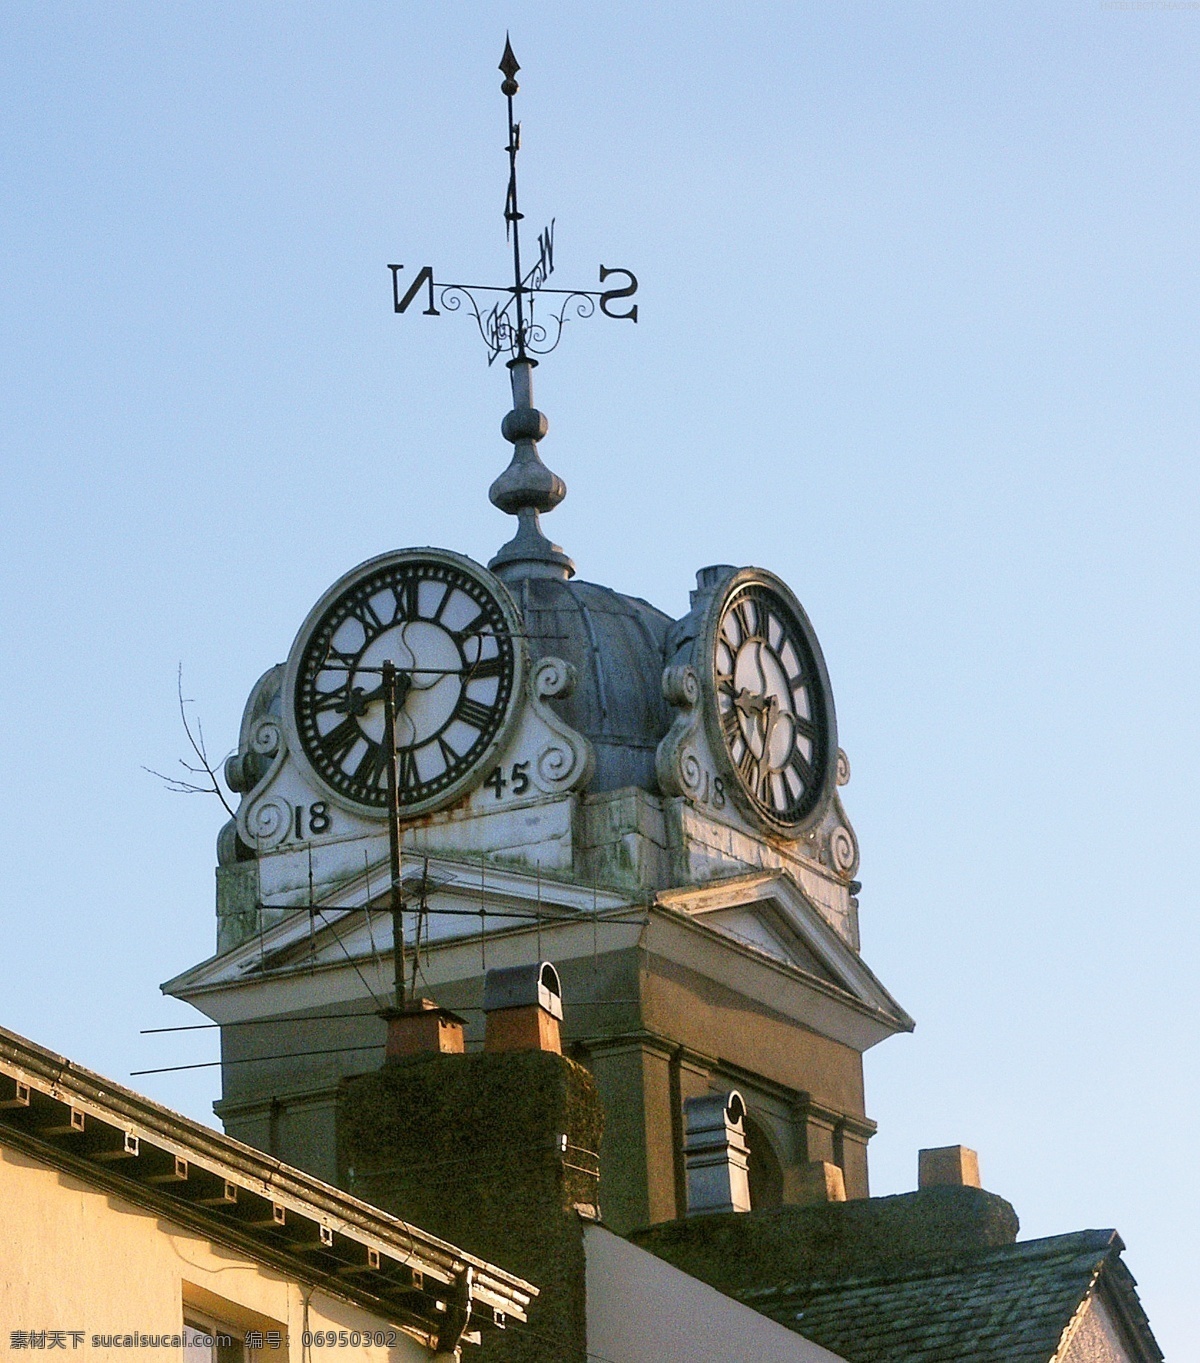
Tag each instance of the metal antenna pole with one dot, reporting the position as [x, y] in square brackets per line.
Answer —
[393, 801]
[422, 908]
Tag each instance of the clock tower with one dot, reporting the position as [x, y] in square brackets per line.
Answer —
[652, 804]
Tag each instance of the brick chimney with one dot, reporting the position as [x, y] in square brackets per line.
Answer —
[948, 1166]
[494, 1150]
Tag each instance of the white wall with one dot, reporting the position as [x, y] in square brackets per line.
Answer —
[642, 1310]
[73, 1257]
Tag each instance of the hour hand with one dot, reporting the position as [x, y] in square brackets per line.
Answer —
[359, 701]
[749, 704]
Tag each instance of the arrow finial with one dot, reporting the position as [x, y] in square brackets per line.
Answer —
[510, 66]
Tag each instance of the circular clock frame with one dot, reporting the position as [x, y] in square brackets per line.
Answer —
[341, 610]
[778, 731]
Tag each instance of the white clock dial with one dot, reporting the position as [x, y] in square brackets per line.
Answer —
[771, 703]
[453, 639]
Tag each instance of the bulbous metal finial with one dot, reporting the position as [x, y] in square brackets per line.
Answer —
[527, 487]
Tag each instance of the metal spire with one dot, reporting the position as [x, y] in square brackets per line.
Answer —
[527, 488]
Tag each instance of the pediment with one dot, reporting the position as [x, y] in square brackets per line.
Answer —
[766, 928]
[350, 925]
[767, 913]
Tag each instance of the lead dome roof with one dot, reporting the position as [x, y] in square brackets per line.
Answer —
[617, 645]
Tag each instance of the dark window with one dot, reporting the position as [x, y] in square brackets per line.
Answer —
[766, 1177]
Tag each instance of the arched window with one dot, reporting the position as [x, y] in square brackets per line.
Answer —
[766, 1177]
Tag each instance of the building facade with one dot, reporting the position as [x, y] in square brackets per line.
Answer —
[460, 776]
[653, 804]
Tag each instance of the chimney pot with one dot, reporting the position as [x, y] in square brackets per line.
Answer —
[716, 1154]
[523, 1008]
[817, 1182]
[421, 1027]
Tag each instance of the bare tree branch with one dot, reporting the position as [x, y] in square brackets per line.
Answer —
[201, 780]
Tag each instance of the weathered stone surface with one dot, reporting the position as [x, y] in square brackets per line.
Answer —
[817, 1183]
[737, 1252]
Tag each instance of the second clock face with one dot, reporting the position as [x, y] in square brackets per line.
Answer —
[445, 628]
[771, 703]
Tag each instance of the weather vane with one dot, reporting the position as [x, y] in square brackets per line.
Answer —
[511, 324]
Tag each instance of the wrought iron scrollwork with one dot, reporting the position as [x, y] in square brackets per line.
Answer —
[499, 329]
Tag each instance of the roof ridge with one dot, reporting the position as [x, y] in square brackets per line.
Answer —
[1072, 1244]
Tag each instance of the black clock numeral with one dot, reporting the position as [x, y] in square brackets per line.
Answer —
[373, 765]
[474, 629]
[335, 661]
[364, 613]
[443, 602]
[331, 700]
[748, 767]
[406, 597]
[744, 613]
[802, 767]
[449, 756]
[805, 727]
[474, 713]
[730, 724]
[485, 667]
[340, 740]
[406, 770]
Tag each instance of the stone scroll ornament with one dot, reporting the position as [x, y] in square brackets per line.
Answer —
[565, 759]
[677, 763]
[842, 845]
[261, 754]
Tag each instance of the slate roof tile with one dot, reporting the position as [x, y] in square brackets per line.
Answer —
[1004, 1304]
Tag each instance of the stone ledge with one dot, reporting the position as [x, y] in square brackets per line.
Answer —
[734, 1252]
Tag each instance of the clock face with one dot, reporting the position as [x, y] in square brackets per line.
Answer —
[772, 703]
[450, 635]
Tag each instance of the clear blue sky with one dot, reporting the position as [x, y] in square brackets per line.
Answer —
[919, 332]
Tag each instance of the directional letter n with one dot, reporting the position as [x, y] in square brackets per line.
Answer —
[424, 277]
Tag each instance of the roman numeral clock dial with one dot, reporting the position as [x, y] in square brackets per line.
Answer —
[453, 635]
[770, 707]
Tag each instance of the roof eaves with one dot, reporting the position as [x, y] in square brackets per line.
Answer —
[77, 1121]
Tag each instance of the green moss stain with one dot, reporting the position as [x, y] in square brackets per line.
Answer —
[734, 1253]
[469, 1147]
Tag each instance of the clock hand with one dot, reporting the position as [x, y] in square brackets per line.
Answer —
[749, 704]
[771, 717]
[434, 674]
[359, 701]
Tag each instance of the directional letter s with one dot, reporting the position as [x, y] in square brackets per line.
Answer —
[627, 292]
